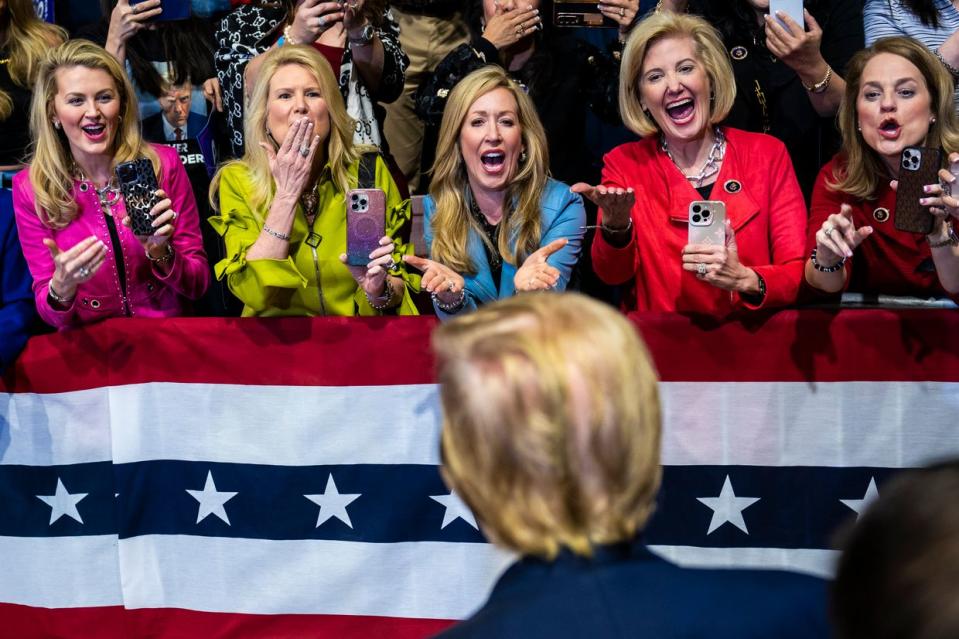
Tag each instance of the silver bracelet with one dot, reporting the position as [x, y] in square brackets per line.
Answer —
[453, 307]
[951, 240]
[163, 259]
[625, 229]
[276, 234]
[953, 71]
[59, 299]
[382, 302]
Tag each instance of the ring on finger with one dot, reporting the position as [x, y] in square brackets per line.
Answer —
[828, 229]
[321, 21]
[175, 216]
[622, 12]
[701, 268]
[83, 271]
[304, 150]
[519, 30]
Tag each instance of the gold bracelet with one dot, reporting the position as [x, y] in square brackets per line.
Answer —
[820, 86]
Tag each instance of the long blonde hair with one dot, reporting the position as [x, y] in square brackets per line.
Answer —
[864, 169]
[453, 220]
[26, 39]
[52, 165]
[551, 422]
[340, 151]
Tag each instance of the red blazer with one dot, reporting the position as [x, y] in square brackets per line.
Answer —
[888, 262]
[763, 204]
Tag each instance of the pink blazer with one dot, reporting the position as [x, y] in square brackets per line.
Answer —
[149, 293]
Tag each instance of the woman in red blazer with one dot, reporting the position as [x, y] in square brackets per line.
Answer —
[676, 84]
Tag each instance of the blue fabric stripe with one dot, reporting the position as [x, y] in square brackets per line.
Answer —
[799, 507]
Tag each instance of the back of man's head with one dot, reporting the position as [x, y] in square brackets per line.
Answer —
[551, 428]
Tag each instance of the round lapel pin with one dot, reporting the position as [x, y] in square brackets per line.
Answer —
[881, 214]
[738, 53]
[732, 186]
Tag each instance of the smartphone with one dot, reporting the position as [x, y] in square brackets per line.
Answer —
[172, 10]
[365, 224]
[918, 166]
[569, 13]
[792, 8]
[138, 184]
[707, 222]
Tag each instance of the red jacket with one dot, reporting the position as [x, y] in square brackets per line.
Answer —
[767, 213]
[149, 293]
[888, 262]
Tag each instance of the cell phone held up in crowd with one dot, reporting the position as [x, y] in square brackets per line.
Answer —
[792, 8]
[365, 224]
[707, 222]
[172, 10]
[918, 166]
[568, 13]
[138, 184]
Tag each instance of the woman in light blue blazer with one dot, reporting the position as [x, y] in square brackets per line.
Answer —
[496, 223]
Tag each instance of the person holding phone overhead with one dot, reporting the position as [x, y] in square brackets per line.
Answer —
[86, 262]
[495, 223]
[282, 207]
[676, 85]
[898, 95]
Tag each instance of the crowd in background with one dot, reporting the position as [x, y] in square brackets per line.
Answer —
[261, 119]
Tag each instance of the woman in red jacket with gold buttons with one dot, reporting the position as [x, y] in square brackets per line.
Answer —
[676, 83]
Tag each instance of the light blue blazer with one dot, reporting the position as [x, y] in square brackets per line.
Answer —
[563, 215]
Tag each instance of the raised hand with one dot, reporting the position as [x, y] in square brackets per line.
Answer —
[75, 265]
[798, 48]
[510, 25]
[126, 20]
[313, 17]
[838, 237]
[536, 274]
[292, 162]
[616, 202]
[438, 279]
[372, 277]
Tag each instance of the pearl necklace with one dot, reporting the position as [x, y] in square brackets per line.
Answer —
[710, 166]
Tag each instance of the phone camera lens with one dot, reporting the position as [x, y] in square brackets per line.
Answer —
[696, 219]
[697, 208]
[706, 214]
[354, 206]
[354, 197]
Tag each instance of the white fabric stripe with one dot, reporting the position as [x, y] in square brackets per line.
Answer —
[820, 563]
[317, 577]
[277, 425]
[840, 424]
[55, 429]
[60, 572]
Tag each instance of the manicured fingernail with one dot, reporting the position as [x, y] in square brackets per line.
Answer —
[924, 200]
[927, 188]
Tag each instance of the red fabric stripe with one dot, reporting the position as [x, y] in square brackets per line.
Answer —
[789, 346]
[115, 622]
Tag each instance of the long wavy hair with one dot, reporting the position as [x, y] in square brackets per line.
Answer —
[52, 165]
[450, 184]
[25, 38]
[339, 149]
[864, 169]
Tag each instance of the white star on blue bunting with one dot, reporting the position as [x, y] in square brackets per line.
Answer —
[211, 500]
[727, 508]
[62, 503]
[455, 509]
[332, 503]
[860, 505]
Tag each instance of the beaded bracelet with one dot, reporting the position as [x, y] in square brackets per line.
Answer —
[382, 302]
[953, 71]
[453, 307]
[826, 269]
[951, 240]
[163, 259]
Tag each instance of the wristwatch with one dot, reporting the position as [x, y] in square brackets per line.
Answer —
[365, 37]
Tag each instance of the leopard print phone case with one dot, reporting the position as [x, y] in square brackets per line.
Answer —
[138, 184]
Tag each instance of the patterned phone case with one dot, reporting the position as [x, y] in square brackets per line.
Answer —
[918, 166]
[365, 224]
[707, 222]
[138, 184]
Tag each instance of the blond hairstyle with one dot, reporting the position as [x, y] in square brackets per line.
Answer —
[52, 165]
[709, 49]
[522, 197]
[864, 168]
[26, 39]
[551, 422]
[339, 149]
